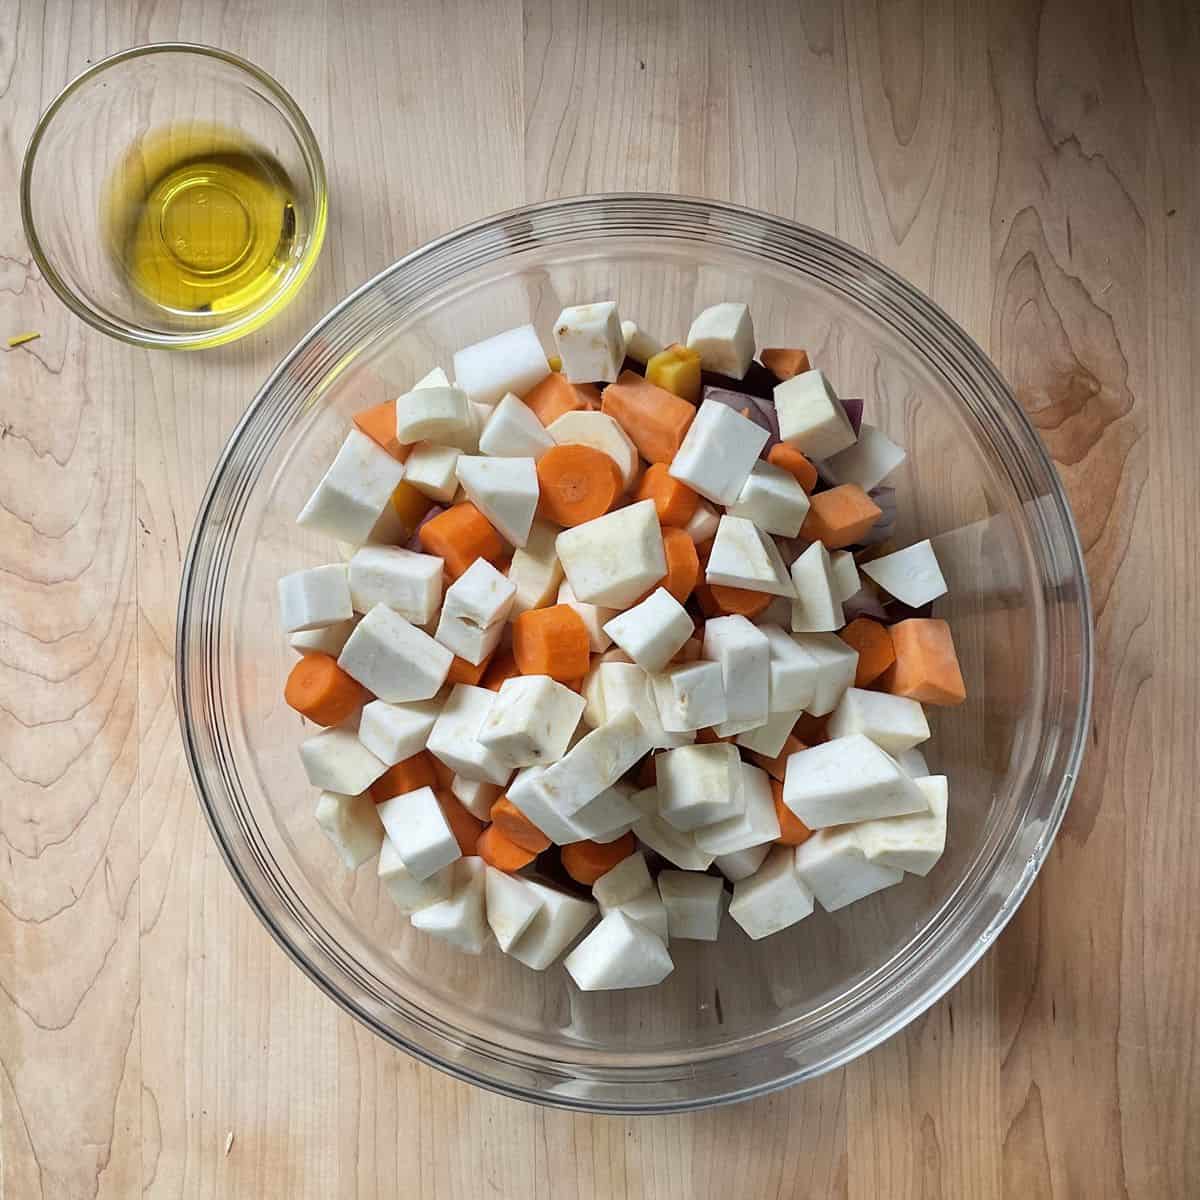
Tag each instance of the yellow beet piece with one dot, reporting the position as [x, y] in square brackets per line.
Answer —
[410, 505]
[555, 362]
[676, 369]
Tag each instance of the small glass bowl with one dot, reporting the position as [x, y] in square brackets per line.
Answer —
[117, 106]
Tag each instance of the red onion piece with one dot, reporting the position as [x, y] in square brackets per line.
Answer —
[854, 410]
[414, 542]
[864, 603]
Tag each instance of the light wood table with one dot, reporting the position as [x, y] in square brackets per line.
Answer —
[1033, 167]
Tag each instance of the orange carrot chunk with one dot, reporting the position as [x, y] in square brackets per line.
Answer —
[585, 862]
[552, 397]
[840, 517]
[379, 424]
[497, 851]
[874, 645]
[674, 502]
[785, 364]
[796, 465]
[777, 767]
[551, 641]
[720, 600]
[317, 688]
[926, 667]
[517, 827]
[462, 671]
[655, 420]
[501, 666]
[683, 564]
[406, 776]
[465, 826]
[459, 536]
[578, 483]
[792, 830]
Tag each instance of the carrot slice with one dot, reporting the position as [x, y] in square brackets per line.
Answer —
[840, 517]
[497, 851]
[777, 767]
[655, 420]
[502, 666]
[379, 424]
[517, 827]
[551, 641]
[317, 688]
[585, 861]
[792, 830]
[465, 826]
[785, 364]
[552, 397]
[874, 645]
[683, 564]
[462, 671]
[674, 502]
[459, 536]
[578, 483]
[720, 600]
[796, 465]
[926, 667]
[406, 776]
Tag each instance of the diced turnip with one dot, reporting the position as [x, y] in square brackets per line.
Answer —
[619, 953]
[833, 865]
[352, 825]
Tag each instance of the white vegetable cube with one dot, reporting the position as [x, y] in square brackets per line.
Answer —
[673, 844]
[913, 764]
[511, 906]
[912, 575]
[652, 632]
[432, 470]
[648, 909]
[616, 558]
[723, 336]
[329, 639]
[698, 785]
[535, 570]
[531, 721]
[912, 843]
[792, 671]
[744, 654]
[755, 825]
[811, 416]
[481, 595]
[336, 761]
[394, 732]
[465, 639]
[607, 816]
[704, 523]
[352, 825]
[461, 919]
[868, 462]
[559, 921]
[391, 657]
[773, 898]
[410, 583]
[434, 414]
[690, 696]
[773, 500]
[436, 378]
[590, 342]
[613, 687]
[314, 598]
[844, 572]
[512, 431]
[741, 864]
[476, 796]
[593, 616]
[848, 779]
[768, 739]
[512, 361]
[639, 345]
[816, 608]
[718, 452]
[619, 953]
[894, 723]
[626, 881]
[409, 893]
[505, 490]
[417, 827]
[833, 865]
[694, 904]
[455, 736]
[355, 492]
[743, 556]
[596, 762]
[527, 794]
[836, 665]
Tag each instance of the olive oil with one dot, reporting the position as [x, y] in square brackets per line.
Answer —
[200, 220]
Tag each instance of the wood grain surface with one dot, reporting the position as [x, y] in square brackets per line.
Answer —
[1035, 168]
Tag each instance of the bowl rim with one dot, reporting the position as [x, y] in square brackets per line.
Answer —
[947, 977]
[140, 335]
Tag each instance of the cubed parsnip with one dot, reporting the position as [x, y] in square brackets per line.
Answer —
[773, 898]
[914, 842]
[699, 785]
[460, 919]
[512, 361]
[590, 342]
[619, 953]
[912, 575]
[354, 494]
[352, 825]
[314, 598]
[408, 582]
[694, 904]
[652, 632]
[893, 723]
[744, 557]
[531, 721]
[718, 452]
[454, 738]
[394, 659]
[505, 490]
[615, 558]
[336, 761]
[511, 906]
[833, 865]
[417, 827]
[559, 921]
[513, 431]
[535, 569]
[772, 499]
[811, 417]
[723, 336]
[394, 732]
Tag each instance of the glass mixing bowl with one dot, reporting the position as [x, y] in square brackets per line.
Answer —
[736, 1018]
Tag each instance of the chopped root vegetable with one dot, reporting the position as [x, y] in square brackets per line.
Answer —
[410, 505]
[683, 565]
[552, 397]
[551, 641]
[840, 517]
[502, 666]
[465, 827]
[517, 827]
[379, 424]
[721, 600]
[655, 420]
[784, 364]
[407, 776]
[578, 484]
[792, 461]
[777, 767]
[585, 862]
[674, 502]
[497, 851]
[926, 667]
[792, 830]
[876, 652]
[320, 690]
[462, 671]
[677, 370]
[811, 730]
[459, 536]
